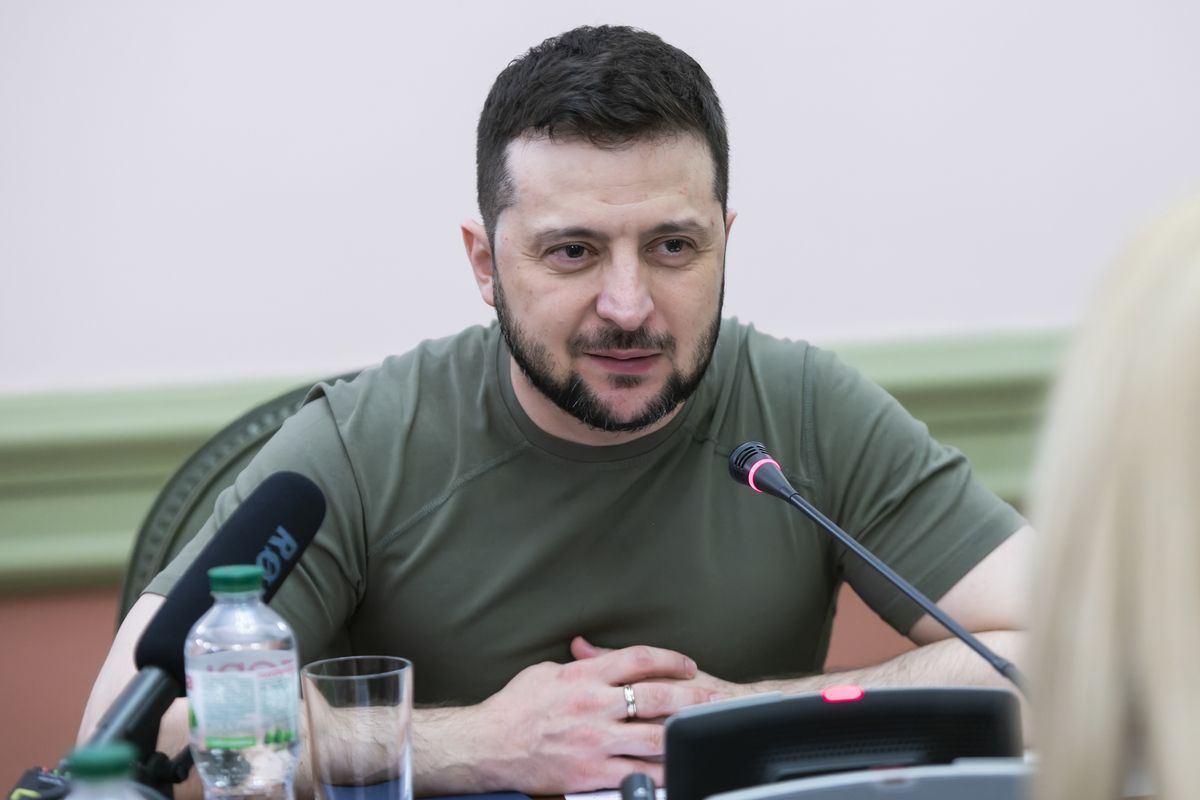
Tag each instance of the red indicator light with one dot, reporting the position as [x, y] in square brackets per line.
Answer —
[842, 694]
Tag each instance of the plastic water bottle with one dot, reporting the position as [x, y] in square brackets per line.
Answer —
[243, 691]
[102, 772]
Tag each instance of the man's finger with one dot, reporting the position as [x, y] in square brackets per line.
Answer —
[639, 739]
[659, 700]
[641, 662]
[581, 648]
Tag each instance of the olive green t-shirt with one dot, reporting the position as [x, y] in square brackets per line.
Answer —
[463, 537]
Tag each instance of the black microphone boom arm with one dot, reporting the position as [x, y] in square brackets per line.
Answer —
[134, 715]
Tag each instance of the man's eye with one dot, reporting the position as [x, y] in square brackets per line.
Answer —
[673, 247]
[573, 251]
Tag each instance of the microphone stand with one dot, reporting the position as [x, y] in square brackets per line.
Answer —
[134, 717]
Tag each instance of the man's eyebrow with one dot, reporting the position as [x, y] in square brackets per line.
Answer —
[690, 226]
[678, 226]
[552, 235]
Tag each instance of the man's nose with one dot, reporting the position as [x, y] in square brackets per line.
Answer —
[625, 298]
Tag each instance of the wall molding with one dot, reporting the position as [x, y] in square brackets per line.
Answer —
[78, 471]
[984, 395]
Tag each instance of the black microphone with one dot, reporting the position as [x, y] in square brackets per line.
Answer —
[751, 465]
[271, 528]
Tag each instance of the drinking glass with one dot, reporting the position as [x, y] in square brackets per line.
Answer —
[359, 712]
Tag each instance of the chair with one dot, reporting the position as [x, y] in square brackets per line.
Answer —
[187, 499]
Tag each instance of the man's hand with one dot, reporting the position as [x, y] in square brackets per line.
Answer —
[941, 663]
[559, 728]
[718, 689]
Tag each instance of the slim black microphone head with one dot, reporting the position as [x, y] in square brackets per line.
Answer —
[743, 457]
[751, 465]
[271, 528]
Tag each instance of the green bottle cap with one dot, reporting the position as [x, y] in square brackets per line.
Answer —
[102, 761]
[236, 578]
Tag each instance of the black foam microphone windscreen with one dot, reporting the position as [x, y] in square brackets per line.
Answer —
[271, 528]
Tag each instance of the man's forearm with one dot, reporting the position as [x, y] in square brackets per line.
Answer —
[478, 748]
[557, 728]
[448, 751]
[945, 663]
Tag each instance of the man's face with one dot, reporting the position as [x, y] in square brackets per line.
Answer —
[608, 275]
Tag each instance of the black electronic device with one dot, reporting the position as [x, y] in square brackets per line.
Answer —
[966, 778]
[726, 746]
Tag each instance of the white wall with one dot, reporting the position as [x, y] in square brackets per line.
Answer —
[221, 190]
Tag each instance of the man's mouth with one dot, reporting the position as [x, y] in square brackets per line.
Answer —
[627, 362]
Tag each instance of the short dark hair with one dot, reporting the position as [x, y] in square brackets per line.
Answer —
[608, 85]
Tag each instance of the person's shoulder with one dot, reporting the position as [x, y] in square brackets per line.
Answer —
[765, 345]
[753, 373]
[466, 350]
[440, 367]
[759, 382]
[397, 419]
[778, 363]
[767, 358]
[468, 347]
[437, 388]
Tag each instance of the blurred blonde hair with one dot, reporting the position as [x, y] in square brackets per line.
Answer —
[1116, 502]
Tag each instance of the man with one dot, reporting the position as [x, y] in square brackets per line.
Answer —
[538, 514]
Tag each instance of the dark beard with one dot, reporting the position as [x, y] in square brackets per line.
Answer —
[574, 396]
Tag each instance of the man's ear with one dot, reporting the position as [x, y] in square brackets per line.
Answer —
[479, 253]
[730, 216]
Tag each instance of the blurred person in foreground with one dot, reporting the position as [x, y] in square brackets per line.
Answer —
[1117, 507]
[539, 513]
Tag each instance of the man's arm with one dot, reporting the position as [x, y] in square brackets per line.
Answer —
[558, 728]
[989, 601]
[993, 596]
[561, 728]
[115, 674]
[553, 728]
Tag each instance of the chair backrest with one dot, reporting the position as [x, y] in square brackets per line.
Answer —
[186, 501]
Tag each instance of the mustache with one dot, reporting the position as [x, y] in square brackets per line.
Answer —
[617, 339]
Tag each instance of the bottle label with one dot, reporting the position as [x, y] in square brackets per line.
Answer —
[241, 699]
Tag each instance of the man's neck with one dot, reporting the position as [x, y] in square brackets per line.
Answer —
[556, 422]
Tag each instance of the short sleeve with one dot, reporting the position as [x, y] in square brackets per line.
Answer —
[321, 593]
[907, 498]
